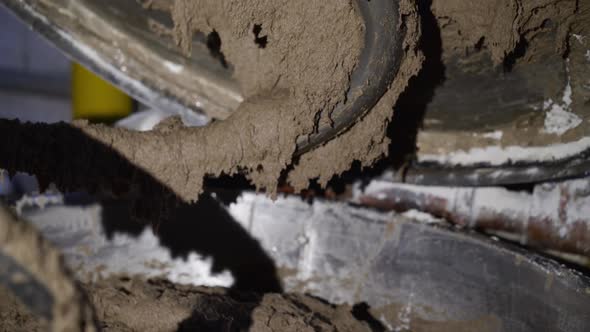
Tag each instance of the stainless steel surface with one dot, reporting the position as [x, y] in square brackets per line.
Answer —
[409, 273]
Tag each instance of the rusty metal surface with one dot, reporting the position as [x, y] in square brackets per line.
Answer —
[409, 271]
[414, 276]
[554, 216]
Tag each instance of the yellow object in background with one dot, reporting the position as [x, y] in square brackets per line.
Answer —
[96, 99]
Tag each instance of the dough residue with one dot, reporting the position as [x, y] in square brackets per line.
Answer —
[500, 25]
[125, 304]
[303, 68]
[42, 264]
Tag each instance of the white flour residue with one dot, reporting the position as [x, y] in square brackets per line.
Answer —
[510, 205]
[423, 217]
[88, 251]
[562, 206]
[496, 135]
[577, 210]
[559, 118]
[498, 155]
[37, 201]
[387, 324]
[405, 315]
[173, 67]
[579, 38]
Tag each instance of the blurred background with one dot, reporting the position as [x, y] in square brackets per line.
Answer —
[35, 78]
[39, 84]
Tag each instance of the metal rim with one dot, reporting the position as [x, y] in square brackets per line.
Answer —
[378, 66]
[577, 166]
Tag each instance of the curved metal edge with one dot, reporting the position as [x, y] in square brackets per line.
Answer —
[377, 67]
[83, 54]
[359, 254]
[525, 291]
[379, 62]
[434, 174]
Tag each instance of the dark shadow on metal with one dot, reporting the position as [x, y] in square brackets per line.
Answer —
[412, 103]
[205, 228]
[410, 108]
[361, 311]
[386, 257]
[64, 155]
[232, 314]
